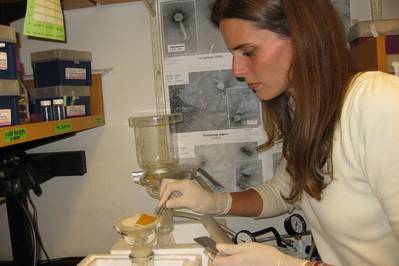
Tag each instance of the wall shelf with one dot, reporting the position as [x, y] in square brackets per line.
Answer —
[12, 135]
[22, 172]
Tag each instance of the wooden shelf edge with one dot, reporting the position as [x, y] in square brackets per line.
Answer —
[12, 135]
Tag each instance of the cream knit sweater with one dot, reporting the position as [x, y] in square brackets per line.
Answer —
[357, 221]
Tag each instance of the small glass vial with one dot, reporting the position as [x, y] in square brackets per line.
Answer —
[58, 109]
[46, 110]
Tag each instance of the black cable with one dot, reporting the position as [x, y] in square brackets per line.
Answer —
[37, 227]
[33, 231]
[312, 248]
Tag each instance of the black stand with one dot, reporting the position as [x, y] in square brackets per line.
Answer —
[21, 239]
[21, 172]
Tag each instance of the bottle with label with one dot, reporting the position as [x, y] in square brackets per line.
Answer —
[58, 109]
[46, 110]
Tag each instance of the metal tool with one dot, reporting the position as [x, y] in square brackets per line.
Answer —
[162, 208]
[208, 243]
[209, 177]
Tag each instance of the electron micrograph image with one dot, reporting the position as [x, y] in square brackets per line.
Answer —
[210, 39]
[179, 28]
[243, 108]
[230, 162]
[248, 174]
[187, 30]
[344, 11]
[210, 100]
[202, 102]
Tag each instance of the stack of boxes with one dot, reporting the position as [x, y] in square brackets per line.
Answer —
[62, 78]
[9, 86]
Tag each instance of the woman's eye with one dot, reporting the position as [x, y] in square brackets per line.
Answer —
[248, 52]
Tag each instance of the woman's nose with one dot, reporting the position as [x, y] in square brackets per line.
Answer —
[239, 67]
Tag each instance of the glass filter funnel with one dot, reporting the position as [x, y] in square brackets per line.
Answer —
[156, 147]
[140, 239]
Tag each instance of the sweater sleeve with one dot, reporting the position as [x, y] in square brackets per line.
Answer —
[378, 124]
[271, 191]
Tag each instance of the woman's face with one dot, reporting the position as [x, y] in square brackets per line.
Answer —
[260, 56]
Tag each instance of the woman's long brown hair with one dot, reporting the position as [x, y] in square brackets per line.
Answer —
[318, 76]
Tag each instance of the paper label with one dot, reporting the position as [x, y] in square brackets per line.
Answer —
[5, 117]
[3, 61]
[99, 121]
[15, 135]
[62, 127]
[175, 48]
[75, 73]
[252, 122]
[44, 19]
[178, 78]
[75, 110]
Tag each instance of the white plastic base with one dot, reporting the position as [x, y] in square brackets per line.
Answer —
[183, 234]
[123, 260]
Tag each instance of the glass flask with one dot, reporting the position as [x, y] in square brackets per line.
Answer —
[155, 141]
[156, 146]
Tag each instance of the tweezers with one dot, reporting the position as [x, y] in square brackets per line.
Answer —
[162, 208]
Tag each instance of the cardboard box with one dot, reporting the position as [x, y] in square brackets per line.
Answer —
[61, 67]
[371, 28]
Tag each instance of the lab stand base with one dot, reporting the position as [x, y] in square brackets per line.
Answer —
[160, 260]
[184, 252]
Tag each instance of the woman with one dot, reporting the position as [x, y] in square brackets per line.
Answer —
[340, 135]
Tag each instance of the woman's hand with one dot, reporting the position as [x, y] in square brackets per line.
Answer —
[193, 196]
[254, 254]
